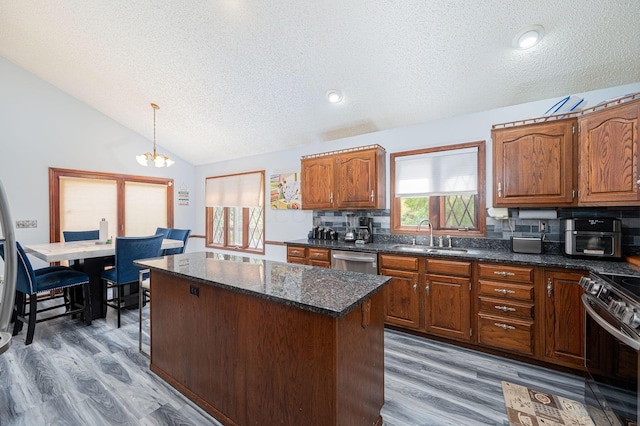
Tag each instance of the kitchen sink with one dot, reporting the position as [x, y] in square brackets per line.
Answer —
[427, 249]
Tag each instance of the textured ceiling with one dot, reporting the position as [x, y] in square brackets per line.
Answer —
[240, 77]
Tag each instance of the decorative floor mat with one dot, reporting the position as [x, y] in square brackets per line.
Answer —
[530, 407]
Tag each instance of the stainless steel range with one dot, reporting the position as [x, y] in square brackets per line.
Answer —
[612, 347]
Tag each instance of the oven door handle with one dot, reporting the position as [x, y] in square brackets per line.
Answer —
[634, 344]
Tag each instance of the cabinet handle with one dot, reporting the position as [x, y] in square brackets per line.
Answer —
[504, 291]
[331, 197]
[504, 273]
[415, 287]
[295, 252]
[427, 287]
[372, 195]
[549, 287]
[505, 308]
[317, 254]
[504, 326]
[500, 189]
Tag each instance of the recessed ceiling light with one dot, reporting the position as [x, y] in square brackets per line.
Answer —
[528, 37]
[335, 96]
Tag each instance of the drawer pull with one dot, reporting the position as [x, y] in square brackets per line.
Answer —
[318, 254]
[504, 291]
[504, 273]
[505, 308]
[295, 252]
[504, 326]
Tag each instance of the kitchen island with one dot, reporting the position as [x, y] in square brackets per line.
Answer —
[257, 342]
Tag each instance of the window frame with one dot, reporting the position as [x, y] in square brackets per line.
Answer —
[436, 203]
[54, 195]
[246, 215]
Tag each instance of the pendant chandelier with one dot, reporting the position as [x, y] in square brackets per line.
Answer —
[158, 160]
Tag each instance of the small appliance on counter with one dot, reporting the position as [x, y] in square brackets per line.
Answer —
[352, 228]
[592, 238]
[365, 230]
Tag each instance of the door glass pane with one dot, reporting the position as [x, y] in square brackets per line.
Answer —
[84, 202]
[145, 207]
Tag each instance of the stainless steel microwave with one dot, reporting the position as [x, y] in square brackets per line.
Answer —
[593, 237]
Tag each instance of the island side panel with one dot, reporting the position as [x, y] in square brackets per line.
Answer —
[194, 343]
[360, 379]
[247, 360]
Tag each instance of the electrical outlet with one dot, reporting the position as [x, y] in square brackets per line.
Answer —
[26, 223]
[194, 291]
[542, 226]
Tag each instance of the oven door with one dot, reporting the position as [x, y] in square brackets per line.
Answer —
[611, 360]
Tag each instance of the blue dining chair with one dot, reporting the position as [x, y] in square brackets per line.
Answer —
[163, 231]
[35, 283]
[81, 235]
[125, 272]
[177, 234]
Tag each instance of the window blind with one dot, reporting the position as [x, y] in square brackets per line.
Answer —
[241, 190]
[437, 173]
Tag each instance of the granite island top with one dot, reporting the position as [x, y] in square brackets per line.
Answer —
[325, 291]
[500, 256]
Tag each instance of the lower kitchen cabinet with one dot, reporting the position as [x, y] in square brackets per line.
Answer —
[297, 254]
[564, 318]
[447, 307]
[319, 257]
[401, 296]
[309, 256]
[506, 314]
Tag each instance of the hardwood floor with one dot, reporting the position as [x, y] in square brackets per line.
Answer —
[77, 375]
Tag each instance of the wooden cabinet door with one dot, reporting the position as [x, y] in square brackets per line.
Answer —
[401, 302]
[316, 176]
[535, 164]
[447, 306]
[609, 156]
[356, 183]
[564, 318]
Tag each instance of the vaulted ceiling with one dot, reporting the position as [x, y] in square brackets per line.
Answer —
[240, 77]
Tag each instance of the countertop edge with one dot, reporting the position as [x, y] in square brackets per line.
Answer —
[312, 308]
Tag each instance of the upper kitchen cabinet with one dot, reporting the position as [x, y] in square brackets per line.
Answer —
[535, 164]
[585, 158]
[316, 175]
[609, 155]
[349, 179]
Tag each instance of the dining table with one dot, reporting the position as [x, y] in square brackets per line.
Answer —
[90, 257]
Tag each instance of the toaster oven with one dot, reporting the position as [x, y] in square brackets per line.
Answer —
[592, 237]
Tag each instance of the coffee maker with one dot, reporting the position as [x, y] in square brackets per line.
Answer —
[365, 230]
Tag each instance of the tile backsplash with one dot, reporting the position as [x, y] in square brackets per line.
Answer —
[499, 231]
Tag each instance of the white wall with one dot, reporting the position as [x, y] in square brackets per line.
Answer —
[42, 127]
[282, 225]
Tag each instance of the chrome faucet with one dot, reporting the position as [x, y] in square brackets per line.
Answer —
[430, 230]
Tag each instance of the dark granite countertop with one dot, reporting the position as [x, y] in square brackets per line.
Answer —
[500, 256]
[325, 291]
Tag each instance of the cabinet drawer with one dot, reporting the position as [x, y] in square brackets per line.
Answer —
[506, 290]
[319, 254]
[506, 333]
[296, 251]
[391, 261]
[506, 308]
[320, 263]
[505, 272]
[449, 267]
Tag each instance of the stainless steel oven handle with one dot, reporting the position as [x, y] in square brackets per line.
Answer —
[634, 344]
[354, 259]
